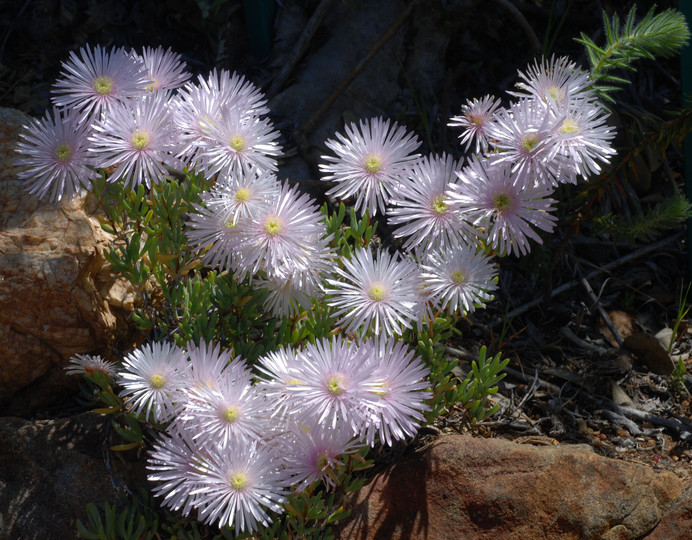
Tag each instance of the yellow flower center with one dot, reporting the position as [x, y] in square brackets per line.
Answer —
[238, 480]
[231, 414]
[372, 163]
[336, 385]
[157, 381]
[205, 124]
[322, 460]
[377, 291]
[501, 202]
[383, 388]
[569, 126]
[273, 225]
[63, 152]
[242, 195]
[155, 85]
[140, 139]
[458, 277]
[529, 142]
[103, 85]
[237, 142]
[476, 119]
[556, 93]
[439, 207]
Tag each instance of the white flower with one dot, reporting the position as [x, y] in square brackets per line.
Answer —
[331, 387]
[236, 143]
[555, 81]
[199, 109]
[173, 459]
[285, 235]
[459, 278]
[585, 136]
[233, 410]
[313, 453]
[87, 363]
[374, 293]
[152, 378]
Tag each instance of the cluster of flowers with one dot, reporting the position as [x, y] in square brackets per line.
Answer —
[233, 446]
[138, 116]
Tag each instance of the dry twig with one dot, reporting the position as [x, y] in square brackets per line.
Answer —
[302, 131]
[300, 47]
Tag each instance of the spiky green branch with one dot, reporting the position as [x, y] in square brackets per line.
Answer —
[660, 35]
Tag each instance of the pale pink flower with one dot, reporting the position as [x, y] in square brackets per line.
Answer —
[98, 79]
[279, 370]
[369, 163]
[331, 386]
[586, 137]
[555, 81]
[527, 137]
[313, 453]
[54, 156]
[137, 138]
[152, 378]
[173, 459]
[210, 365]
[81, 364]
[476, 116]
[283, 235]
[239, 485]
[509, 211]
[460, 279]
[401, 390]
[233, 410]
[165, 69]
[242, 194]
[290, 292]
[214, 236]
[423, 212]
[236, 143]
[199, 109]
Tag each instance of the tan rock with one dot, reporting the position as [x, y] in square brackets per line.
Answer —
[463, 487]
[677, 523]
[56, 296]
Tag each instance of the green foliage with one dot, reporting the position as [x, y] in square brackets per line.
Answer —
[140, 518]
[656, 35]
[683, 309]
[187, 302]
[480, 383]
[346, 238]
[432, 349]
[667, 214]
[554, 26]
[677, 377]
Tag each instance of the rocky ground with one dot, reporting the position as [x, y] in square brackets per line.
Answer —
[569, 382]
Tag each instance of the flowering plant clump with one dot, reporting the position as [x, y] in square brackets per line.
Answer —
[283, 343]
